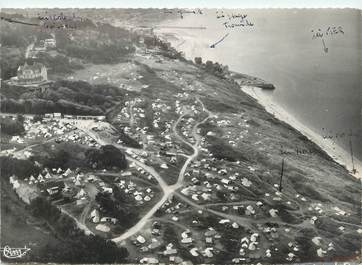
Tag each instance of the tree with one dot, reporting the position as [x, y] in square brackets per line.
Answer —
[221, 195]
[37, 118]
[41, 207]
[11, 127]
[20, 118]
[18, 167]
[59, 159]
[198, 60]
[209, 66]
[76, 247]
[124, 212]
[107, 156]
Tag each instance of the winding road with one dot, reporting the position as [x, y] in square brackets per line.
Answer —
[168, 190]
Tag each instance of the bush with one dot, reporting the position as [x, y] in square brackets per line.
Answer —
[58, 64]
[117, 207]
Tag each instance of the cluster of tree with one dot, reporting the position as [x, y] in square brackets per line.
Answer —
[10, 59]
[65, 155]
[127, 140]
[67, 97]
[101, 44]
[165, 47]
[12, 127]
[18, 167]
[76, 246]
[107, 156]
[58, 64]
[84, 93]
[42, 106]
[13, 39]
[214, 68]
[15, 35]
[118, 206]
[109, 54]
[59, 159]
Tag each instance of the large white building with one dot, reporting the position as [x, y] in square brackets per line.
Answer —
[31, 74]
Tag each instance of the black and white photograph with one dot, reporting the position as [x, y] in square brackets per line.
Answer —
[198, 133]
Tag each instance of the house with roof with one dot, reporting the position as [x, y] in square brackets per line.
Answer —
[109, 219]
[30, 74]
[50, 43]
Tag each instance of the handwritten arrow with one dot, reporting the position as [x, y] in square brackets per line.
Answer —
[181, 43]
[281, 176]
[216, 43]
[354, 170]
[324, 46]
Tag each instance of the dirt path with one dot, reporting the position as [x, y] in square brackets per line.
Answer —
[243, 221]
[167, 190]
[29, 48]
[165, 220]
[85, 213]
[78, 223]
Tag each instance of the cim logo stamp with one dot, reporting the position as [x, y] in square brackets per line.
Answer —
[14, 253]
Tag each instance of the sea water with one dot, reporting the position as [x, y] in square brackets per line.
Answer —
[317, 79]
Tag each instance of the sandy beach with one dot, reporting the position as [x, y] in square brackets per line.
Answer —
[339, 154]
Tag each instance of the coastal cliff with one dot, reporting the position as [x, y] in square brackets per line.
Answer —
[236, 169]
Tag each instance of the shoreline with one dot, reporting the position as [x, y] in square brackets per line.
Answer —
[337, 153]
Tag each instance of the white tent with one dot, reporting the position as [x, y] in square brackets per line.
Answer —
[164, 166]
[67, 172]
[81, 193]
[40, 177]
